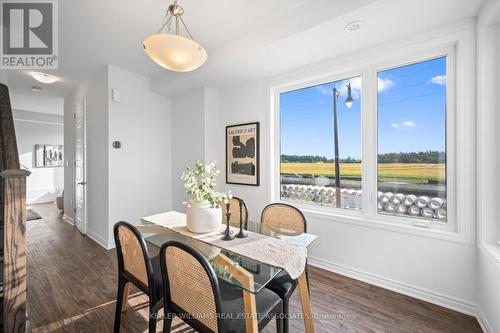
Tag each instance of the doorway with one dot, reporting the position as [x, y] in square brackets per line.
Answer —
[80, 166]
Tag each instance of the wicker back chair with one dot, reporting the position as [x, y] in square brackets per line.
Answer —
[193, 292]
[136, 267]
[235, 212]
[290, 221]
[191, 286]
[285, 217]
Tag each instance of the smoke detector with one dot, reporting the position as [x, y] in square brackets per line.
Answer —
[353, 27]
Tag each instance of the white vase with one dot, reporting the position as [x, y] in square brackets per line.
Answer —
[201, 218]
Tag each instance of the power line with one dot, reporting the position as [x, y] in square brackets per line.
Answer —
[411, 73]
[408, 86]
[410, 98]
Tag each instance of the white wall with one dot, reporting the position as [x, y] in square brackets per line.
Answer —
[213, 135]
[131, 182]
[44, 184]
[489, 291]
[196, 136]
[188, 140]
[95, 91]
[140, 171]
[437, 270]
[399, 260]
[488, 164]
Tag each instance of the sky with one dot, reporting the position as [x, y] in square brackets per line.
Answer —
[411, 113]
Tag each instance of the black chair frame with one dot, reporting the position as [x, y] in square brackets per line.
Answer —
[155, 302]
[285, 297]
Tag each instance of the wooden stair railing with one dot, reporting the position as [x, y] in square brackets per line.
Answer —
[12, 224]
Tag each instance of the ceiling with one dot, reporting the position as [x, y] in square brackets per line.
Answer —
[245, 40]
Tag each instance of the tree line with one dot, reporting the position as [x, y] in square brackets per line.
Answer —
[430, 156]
[314, 159]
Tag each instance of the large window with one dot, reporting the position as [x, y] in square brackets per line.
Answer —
[391, 159]
[411, 113]
[410, 133]
[315, 123]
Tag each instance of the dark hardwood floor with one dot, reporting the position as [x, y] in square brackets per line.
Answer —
[72, 287]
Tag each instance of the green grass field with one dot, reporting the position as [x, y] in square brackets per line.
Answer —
[403, 172]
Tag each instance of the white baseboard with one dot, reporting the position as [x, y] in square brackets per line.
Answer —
[399, 287]
[483, 322]
[111, 245]
[92, 235]
[98, 239]
[68, 219]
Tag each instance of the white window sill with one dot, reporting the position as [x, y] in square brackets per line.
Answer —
[354, 217]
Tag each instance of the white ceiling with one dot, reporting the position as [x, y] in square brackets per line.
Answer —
[23, 99]
[245, 39]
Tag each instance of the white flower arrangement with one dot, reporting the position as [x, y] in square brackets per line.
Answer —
[200, 183]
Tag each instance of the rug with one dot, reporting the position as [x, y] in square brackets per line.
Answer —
[32, 215]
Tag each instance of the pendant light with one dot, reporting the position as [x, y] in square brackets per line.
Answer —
[171, 50]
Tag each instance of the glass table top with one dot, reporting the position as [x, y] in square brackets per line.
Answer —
[287, 235]
[225, 262]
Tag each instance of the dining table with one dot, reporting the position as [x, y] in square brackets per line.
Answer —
[231, 265]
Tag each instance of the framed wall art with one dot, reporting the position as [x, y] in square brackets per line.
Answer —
[242, 154]
[49, 156]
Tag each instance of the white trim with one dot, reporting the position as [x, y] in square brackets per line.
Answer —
[68, 219]
[448, 51]
[38, 121]
[111, 245]
[458, 44]
[483, 321]
[356, 218]
[487, 195]
[492, 252]
[452, 303]
[99, 240]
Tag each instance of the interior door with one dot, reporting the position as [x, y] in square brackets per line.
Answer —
[80, 167]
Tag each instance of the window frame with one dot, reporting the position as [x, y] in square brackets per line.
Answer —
[456, 228]
[450, 129]
[276, 137]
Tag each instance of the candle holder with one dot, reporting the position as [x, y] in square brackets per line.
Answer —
[241, 234]
[228, 234]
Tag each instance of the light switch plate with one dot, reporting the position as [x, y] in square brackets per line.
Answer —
[115, 95]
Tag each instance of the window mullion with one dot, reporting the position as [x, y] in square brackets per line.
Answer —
[369, 143]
